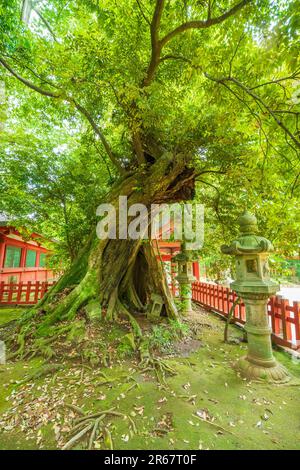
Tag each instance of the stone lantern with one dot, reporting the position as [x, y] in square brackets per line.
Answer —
[254, 286]
[185, 278]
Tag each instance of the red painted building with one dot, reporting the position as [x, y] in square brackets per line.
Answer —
[23, 260]
[167, 248]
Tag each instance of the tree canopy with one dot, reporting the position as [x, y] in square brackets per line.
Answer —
[98, 89]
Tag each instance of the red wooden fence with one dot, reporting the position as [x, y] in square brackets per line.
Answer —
[23, 292]
[284, 319]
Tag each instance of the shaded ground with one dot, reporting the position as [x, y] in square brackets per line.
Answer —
[204, 406]
[9, 314]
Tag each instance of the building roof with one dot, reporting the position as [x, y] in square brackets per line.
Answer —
[33, 235]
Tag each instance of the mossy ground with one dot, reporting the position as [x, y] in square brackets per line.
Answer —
[9, 314]
[250, 416]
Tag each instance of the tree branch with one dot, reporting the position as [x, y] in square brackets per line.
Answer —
[42, 80]
[294, 76]
[200, 24]
[70, 100]
[150, 73]
[26, 10]
[28, 83]
[105, 161]
[100, 134]
[235, 53]
[258, 100]
[155, 43]
[142, 12]
[45, 23]
[158, 44]
[175, 57]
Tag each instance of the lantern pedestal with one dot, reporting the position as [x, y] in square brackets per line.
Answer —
[259, 364]
[185, 279]
[186, 297]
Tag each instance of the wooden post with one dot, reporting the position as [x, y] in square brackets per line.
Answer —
[283, 305]
[2, 254]
[10, 287]
[196, 270]
[223, 299]
[28, 292]
[19, 295]
[237, 309]
[228, 300]
[287, 315]
[271, 313]
[36, 292]
[297, 322]
[44, 289]
[1, 291]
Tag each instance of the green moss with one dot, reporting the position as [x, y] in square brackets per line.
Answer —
[253, 416]
[162, 336]
[9, 314]
[93, 310]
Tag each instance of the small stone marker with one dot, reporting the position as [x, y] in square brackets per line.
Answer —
[155, 307]
[2, 353]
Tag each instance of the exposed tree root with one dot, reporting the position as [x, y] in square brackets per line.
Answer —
[74, 408]
[159, 367]
[91, 423]
[215, 425]
[42, 371]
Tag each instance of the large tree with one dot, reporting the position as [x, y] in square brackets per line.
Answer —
[174, 92]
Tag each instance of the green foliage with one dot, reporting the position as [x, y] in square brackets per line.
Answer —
[127, 346]
[283, 269]
[77, 332]
[244, 147]
[162, 337]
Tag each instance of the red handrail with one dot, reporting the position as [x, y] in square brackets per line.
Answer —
[23, 293]
[284, 318]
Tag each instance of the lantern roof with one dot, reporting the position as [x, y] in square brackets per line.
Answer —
[248, 242]
[185, 255]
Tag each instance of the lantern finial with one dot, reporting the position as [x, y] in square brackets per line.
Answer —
[248, 223]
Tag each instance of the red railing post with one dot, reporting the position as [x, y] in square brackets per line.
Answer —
[274, 321]
[36, 292]
[19, 294]
[1, 291]
[223, 299]
[10, 288]
[44, 289]
[297, 322]
[28, 292]
[220, 298]
[289, 321]
[283, 305]
[23, 293]
[216, 297]
[228, 300]
[243, 311]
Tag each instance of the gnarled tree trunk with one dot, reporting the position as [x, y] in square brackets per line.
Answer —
[116, 277]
